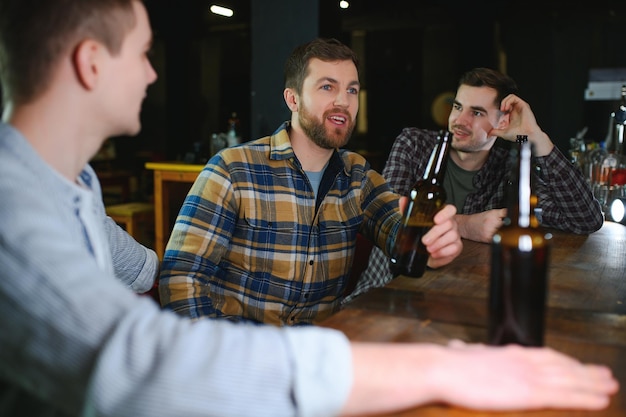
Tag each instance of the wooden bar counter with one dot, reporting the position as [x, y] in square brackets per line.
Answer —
[586, 315]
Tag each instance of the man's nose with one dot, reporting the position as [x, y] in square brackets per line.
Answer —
[341, 99]
[462, 117]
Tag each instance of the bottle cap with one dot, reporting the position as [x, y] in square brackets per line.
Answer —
[521, 138]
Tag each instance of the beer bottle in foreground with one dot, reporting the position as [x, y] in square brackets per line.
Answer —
[519, 266]
[426, 198]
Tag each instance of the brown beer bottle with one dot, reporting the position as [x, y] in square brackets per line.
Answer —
[426, 198]
[520, 253]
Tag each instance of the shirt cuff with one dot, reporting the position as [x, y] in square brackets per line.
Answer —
[147, 276]
[323, 370]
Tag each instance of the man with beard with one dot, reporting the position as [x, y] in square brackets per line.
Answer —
[486, 108]
[268, 231]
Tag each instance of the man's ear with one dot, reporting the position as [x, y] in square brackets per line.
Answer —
[504, 121]
[86, 62]
[291, 98]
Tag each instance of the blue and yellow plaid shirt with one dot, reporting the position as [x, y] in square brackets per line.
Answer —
[252, 243]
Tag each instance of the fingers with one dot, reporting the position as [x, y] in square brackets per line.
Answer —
[520, 119]
[494, 221]
[447, 212]
[460, 344]
[456, 343]
[572, 383]
[507, 103]
[480, 227]
[445, 230]
[402, 203]
[575, 385]
[527, 378]
[443, 240]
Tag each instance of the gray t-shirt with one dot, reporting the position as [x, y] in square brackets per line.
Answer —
[315, 178]
[458, 183]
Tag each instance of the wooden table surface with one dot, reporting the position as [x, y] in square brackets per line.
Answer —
[586, 315]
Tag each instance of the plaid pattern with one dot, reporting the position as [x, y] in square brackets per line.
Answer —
[251, 243]
[563, 194]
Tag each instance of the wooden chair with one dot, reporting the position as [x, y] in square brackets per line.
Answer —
[136, 218]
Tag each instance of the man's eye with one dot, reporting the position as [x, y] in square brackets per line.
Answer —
[353, 91]
[326, 87]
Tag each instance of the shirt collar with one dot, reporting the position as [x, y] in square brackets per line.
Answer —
[281, 149]
[280, 144]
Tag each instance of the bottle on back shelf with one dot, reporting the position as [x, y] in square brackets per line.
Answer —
[232, 135]
[615, 160]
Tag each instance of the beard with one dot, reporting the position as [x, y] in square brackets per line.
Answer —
[325, 138]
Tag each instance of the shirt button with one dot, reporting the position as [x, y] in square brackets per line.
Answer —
[311, 262]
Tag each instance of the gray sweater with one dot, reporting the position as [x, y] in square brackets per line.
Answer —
[76, 340]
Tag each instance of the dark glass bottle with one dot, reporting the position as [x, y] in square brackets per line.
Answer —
[519, 266]
[613, 169]
[614, 140]
[426, 198]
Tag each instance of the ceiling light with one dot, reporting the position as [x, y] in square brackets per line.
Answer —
[344, 4]
[222, 11]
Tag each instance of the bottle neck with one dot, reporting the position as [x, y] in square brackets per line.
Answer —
[617, 121]
[521, 206]
[438, 161]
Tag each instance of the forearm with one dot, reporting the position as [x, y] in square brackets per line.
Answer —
[390, 378]
[463, 220]
[541, 142]
[476, 227]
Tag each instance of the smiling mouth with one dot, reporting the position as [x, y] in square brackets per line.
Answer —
[460, 132]
[338, 119]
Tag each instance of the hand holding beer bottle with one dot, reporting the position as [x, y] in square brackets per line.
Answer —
[426, 198]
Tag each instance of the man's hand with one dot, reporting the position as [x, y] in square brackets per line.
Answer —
[443, 240]
[522, 122]
[480, 227]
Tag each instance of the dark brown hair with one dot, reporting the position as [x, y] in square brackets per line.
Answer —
[486, 77]
[36, 34]
[297, 65]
